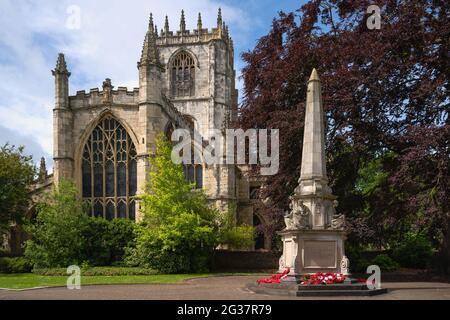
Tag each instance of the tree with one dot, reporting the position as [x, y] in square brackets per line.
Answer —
[384, 91]
[63, 234]
[17, 172]
[58, 233]
[179, 230]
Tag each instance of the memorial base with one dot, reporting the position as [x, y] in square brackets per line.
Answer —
[315, 290]
[310, 251]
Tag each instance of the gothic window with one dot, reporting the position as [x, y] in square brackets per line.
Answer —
[183, 75]
[194, 174]
[109, 171]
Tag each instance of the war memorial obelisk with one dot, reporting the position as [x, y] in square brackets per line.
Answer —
[313, 239]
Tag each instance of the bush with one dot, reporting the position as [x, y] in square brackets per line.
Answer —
[239, 237]
[360, 265]
[120, 236]
[414, 252]
[233, 236]
[385, 263]
[15, 265]
[96, 249]
[105, 241]
[156, 250]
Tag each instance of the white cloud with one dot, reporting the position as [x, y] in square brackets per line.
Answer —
[108, 44]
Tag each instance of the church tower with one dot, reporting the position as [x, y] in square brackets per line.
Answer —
[200, 82]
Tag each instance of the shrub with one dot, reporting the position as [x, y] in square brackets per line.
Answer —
[414, 252]
[120, 236]
[357, 262]
[385, 263]
[96, 249]
[15, 265]
[359, 265]
[105, 241]
[233, 236]
[239, 237]
[163, 251]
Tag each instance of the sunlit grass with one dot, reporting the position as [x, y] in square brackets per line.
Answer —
[29, 280]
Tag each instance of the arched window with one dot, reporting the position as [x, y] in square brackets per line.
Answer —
[194, 172]
[109, 170]
[183, 75]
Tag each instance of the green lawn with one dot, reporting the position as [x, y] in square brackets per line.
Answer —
[29, 280]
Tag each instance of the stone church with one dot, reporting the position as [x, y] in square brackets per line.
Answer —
[103, 138]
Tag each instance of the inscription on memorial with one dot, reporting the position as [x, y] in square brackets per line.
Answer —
[288, 253]
[320, 254]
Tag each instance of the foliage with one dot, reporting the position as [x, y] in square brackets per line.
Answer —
[381, 97]
[360, 262]
[14, 265]
[360, 265]
[106, 241]
[179, 231]
[58, 239]
[385, 263]
[232, 235]
[120, 236]
[64, 235]
[413, 252]
[17, 172]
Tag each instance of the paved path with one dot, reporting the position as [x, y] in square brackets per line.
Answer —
[222, 288]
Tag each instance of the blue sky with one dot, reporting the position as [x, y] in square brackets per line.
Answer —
[107, 45]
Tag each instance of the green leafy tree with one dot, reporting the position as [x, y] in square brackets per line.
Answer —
[64, 235]
[58, 233]
[179, 229]
[17, 172]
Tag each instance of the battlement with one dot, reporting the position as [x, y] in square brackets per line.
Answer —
[205, 35]
[96, 96]
[166, 37]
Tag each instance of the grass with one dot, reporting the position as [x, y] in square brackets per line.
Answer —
[30, 280]
[98, 271]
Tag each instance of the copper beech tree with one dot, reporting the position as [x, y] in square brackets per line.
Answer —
[386, 98]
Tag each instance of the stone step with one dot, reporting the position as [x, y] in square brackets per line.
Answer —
[339, 293]
[331, 287]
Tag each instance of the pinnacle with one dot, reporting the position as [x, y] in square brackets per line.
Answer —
[314, 76]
